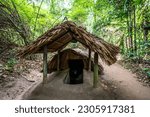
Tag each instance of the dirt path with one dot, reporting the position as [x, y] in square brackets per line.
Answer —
[122, 84]
[117, 83]
[56, 89]
[126, 84]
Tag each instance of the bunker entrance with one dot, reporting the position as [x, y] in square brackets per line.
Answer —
[75, 71]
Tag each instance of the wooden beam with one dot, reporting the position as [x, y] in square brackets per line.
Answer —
[58, 61]
[95, 74]
[80, 40]
[58, 42]
[62, 46]
[89, 60]
[45, 65]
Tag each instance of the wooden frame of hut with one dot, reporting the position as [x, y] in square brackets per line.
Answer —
[57, 38]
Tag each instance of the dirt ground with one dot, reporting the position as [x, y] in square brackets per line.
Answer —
[15, 86]
[55, 89]
[126, 84]
[116, 83]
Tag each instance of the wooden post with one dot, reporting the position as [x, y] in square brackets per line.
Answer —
[89, 60]
[58, 60]
[45, 65]
[95, 74]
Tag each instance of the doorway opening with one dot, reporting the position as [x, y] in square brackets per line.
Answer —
[76, 71]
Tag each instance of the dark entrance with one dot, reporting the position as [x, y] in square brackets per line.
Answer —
[76, 71]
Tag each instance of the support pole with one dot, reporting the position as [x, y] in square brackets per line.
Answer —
[58, 61]
[45, 65]
[95, 76]
[89, 60]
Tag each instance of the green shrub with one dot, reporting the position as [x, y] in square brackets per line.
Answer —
[10, 64]
[147, 71]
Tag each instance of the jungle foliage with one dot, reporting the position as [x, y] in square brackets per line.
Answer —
[125, 23]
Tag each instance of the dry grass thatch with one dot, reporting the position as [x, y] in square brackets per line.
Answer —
[69, 54]
[58, 37]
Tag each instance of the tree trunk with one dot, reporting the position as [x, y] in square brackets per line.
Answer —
[128, 31]
[145, 35]
[37, 17]
[135, 44]
[131, 29]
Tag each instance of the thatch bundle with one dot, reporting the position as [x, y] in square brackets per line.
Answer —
[70, 54]
[58, 37]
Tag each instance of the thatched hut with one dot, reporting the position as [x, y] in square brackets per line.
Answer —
[71, 54]
[57, 38]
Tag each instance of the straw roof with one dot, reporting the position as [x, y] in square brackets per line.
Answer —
[69, 54]
[58, 37]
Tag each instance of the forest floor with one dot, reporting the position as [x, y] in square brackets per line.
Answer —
[116, 83]
[14, 84]
[140, 69]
